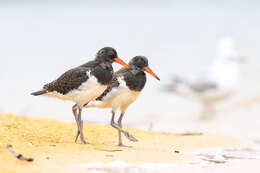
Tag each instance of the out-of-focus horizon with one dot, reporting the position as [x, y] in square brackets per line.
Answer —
[42, 39]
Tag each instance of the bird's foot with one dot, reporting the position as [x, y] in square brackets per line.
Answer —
[120, 144]
[84, 142]
[130, 137]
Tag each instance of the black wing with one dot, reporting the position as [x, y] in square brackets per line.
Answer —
[114, 83]
[69, 80]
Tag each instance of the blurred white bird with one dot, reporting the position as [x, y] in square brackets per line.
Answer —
[216, 84]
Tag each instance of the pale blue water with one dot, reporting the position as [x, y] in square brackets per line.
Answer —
[40, 40]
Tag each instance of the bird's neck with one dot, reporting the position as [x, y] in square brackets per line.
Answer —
[106, 65]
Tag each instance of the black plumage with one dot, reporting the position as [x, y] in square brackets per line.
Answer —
[78, 79]
[101, 68]
[114, 83]
[123, 90]
[135, 80]
[73, 78]
[68, 81]
[134, 77]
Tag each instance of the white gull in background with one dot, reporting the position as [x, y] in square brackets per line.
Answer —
[216, 84]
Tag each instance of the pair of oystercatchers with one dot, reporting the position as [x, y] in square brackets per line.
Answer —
[94, 84]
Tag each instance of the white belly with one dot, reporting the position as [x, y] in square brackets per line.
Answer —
[118, 98]
[88, 91]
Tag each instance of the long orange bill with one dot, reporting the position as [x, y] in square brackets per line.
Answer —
[148, 70]
[119, 61]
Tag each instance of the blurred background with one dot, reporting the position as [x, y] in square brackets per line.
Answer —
[41, 39]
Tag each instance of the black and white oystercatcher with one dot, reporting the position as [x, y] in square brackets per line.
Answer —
[84, 83]
[123, 90]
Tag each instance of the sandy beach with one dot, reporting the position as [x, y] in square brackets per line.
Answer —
[183, 41]
[51, 144]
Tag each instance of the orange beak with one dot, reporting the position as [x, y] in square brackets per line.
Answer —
[148, 70]
[119, 61]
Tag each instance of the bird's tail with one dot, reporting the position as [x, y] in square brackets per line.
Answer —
[37, 93]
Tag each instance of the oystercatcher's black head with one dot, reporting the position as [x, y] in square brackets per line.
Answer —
[141, 63]
[109, 55]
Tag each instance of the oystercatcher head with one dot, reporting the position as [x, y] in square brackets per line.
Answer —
[123, 90]
[84, 83]
[140, 63]
[109, 55]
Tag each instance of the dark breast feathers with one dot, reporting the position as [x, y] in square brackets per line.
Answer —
[134, 81]
[103, 74]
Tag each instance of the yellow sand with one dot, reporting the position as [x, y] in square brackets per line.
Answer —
[51, 144]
